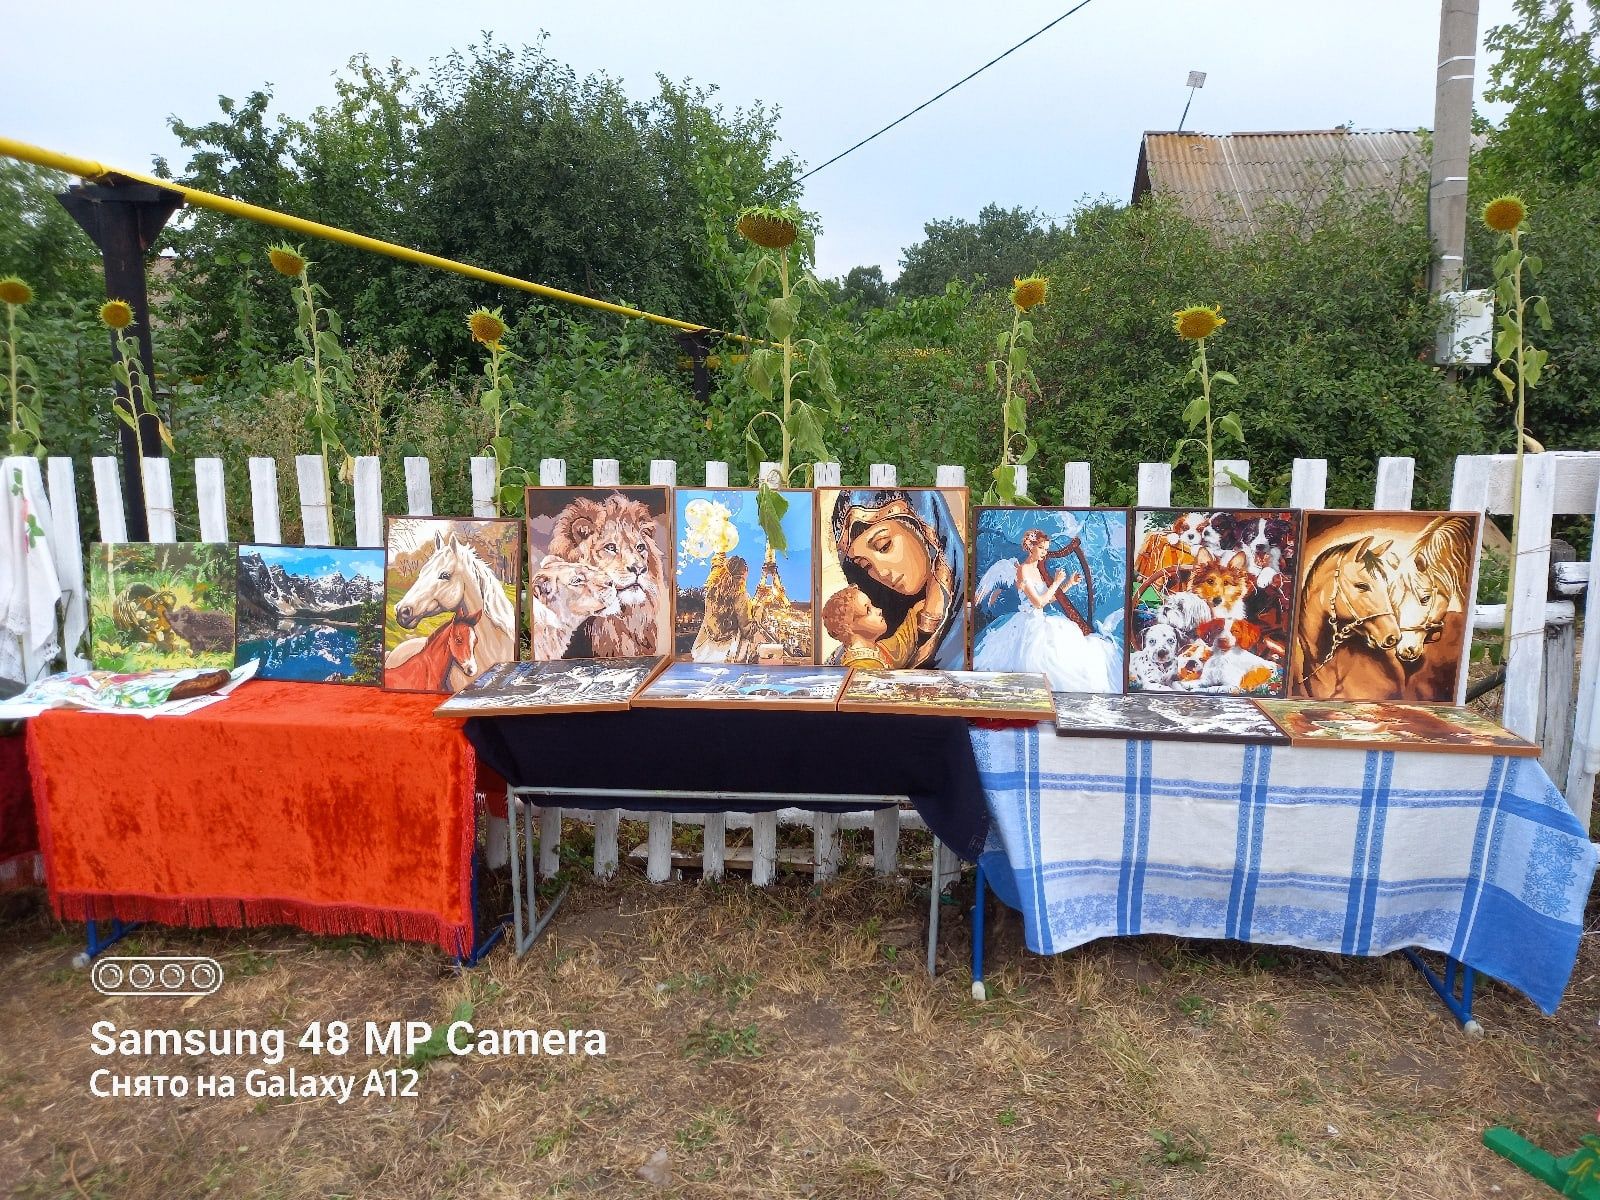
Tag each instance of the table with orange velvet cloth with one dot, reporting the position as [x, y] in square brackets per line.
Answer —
[338, 809]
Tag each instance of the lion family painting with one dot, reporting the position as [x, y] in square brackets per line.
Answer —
[1213, 598]
[1384, 606]
[599, 572]
[450, 600]
[1051, 594]
[892, 577]
[738, 599]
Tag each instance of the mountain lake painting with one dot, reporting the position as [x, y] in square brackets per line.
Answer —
[311, 613]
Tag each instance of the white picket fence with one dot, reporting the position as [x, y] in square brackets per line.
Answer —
[1538, 695]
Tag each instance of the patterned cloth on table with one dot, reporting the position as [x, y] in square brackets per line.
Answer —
[1350, 851]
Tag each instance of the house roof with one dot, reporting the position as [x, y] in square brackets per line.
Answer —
[1225, 181]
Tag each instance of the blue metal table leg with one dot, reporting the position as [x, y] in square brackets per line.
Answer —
[481, 945]
[96, 945]
[1445, 988]
[979, 991]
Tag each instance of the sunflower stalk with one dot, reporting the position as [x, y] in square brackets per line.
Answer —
[26, 417]
[322, 371]
[499, 399]
[1513, 350]
[128, 369]
[773, 369]
[1011, 349]
[1195, 324]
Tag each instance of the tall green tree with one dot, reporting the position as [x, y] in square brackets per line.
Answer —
[1001, 244]
[1547, 67]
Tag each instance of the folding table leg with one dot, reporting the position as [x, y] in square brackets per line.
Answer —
[524, 879]
[1460, 1007]
[96, 945]
[480, 945]
[935, 891]
[979, 990]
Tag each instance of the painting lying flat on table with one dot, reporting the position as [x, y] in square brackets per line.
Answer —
[726, 609]
[1384, 606]
[892, 577]
[1051, 594]
[450, 609]
[1158, 715]
[1213, 596]
[1385, 725]
[753, 686]
[1016, 695]
[156, 606]
[311, 613]
[562, 685]
[599, 571]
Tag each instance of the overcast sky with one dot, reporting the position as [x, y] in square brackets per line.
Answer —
[1058, 121]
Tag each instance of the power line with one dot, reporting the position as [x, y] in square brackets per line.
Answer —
[947, 91]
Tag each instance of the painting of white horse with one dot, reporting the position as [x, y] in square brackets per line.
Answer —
[443, 572]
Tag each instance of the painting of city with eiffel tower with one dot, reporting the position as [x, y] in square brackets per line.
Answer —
[739, 599]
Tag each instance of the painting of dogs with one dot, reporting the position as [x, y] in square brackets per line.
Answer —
[1213, 600]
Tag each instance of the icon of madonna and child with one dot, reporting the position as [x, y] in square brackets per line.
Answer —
[1051, 595]
[894, 562]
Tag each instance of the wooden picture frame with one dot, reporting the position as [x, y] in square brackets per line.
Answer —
[1386, 604]
[1166, 716]
[1386, 725]
[156, 606]
[718, 538]
[750, 687]
[492, 636]
[496, 692]
[997, 695]
[572, 619]
[924, 530]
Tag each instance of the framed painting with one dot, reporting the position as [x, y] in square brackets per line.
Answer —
[553, 686]
[1388, 725]
[891, 577]
[599, 572]
[726, 607]
[311, 613]
[1003, 695]
[745, 685]
[1385, 606]
[1213, 600]
[159, 606]
[450, 600]
[1158, 716]
[1051, 594]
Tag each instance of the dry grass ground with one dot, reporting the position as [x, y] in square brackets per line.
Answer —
[788, 1043]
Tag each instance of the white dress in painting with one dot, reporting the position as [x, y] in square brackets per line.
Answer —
[1036, 638]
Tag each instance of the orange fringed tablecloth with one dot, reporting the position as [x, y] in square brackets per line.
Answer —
[337, 809]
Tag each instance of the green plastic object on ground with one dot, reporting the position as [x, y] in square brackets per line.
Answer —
[1578, 1174]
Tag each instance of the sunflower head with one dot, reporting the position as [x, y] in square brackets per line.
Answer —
[14, 291]
[771, 228]
[1026, 293]
[116, 314]
[287, 260]
[1505, 213]
[487, 327]
[1198, 322]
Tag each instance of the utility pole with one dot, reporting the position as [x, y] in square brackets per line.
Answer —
[1452, 142]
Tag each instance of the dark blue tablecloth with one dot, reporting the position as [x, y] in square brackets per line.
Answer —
[814, 754]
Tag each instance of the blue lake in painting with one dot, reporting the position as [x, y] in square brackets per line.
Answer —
[309, 653]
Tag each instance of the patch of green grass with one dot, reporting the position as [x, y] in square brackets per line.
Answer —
[1180, 1149]
[1198, 1009]
[712, 1042]
[1006, 1118]
[436, 1046]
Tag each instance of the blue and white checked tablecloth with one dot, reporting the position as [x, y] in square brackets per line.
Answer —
[1351, 851]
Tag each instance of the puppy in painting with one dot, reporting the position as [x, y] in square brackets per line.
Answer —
[1155, 664]
[1185, 612]
[1224, 585]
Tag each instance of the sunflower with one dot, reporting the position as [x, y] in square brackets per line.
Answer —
[116, 314]
[1198, 322]
[286, 260]
[1505, 213]
[771, 228]
[1026, 293]
[14, 291]
[487, 327]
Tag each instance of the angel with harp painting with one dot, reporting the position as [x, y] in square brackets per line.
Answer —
[1047, 632]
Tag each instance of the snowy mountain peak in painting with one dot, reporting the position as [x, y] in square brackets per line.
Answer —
[273, 588]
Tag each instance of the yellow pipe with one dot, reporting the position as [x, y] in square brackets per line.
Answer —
[88, 169]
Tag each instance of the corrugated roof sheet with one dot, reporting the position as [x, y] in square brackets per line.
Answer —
[1226, 181]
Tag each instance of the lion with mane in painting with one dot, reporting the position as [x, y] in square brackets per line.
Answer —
[618, 538]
